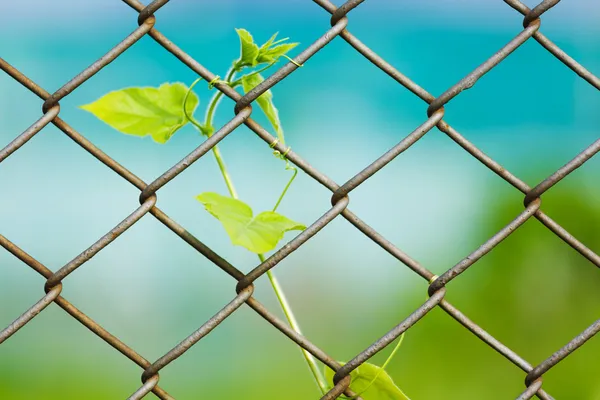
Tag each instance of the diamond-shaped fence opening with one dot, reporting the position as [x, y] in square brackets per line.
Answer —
[434, 117]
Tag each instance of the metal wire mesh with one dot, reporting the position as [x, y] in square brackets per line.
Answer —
[339, 200]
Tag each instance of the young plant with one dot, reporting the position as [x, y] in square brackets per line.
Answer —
[161, 112]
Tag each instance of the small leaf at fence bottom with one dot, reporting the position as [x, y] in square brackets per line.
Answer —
[145, 111]
[383, 388]
[258, 234]
[265, 102]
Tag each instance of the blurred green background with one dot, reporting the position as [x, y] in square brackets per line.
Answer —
[149, 288]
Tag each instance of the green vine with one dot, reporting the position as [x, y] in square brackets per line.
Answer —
[161, 112]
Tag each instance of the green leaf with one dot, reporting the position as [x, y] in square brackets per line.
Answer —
[258, 234]
[272, 54]
[271, 50]
[145, 111]
[248, 49]
[265, 102]
[269, 42]
[251, 55]
[382, 388]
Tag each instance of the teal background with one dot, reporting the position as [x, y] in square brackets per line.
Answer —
[437, 203]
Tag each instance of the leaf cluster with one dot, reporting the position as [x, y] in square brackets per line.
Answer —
[251, 55]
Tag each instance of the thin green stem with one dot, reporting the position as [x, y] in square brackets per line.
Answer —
[289, 315]
[239, 80]
[224, 172]
[185, 110]
[214, 102]
[285, 306]
[292, 61]
[285, 189]
[208, 130]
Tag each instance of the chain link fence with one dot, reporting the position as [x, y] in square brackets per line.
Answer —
[340, 199]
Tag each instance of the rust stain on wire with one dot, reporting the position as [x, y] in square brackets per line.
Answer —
[340, 199]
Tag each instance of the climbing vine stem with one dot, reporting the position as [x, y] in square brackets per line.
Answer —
[207, 129]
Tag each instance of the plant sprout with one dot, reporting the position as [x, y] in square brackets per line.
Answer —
[161, 112]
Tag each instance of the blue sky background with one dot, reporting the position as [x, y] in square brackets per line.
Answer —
[531, 114]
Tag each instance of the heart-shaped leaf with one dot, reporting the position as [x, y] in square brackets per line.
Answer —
[258, 234]
[371, 382]
[265, 102]
[145, 111]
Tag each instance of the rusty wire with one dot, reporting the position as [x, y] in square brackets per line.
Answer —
[339, 200]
